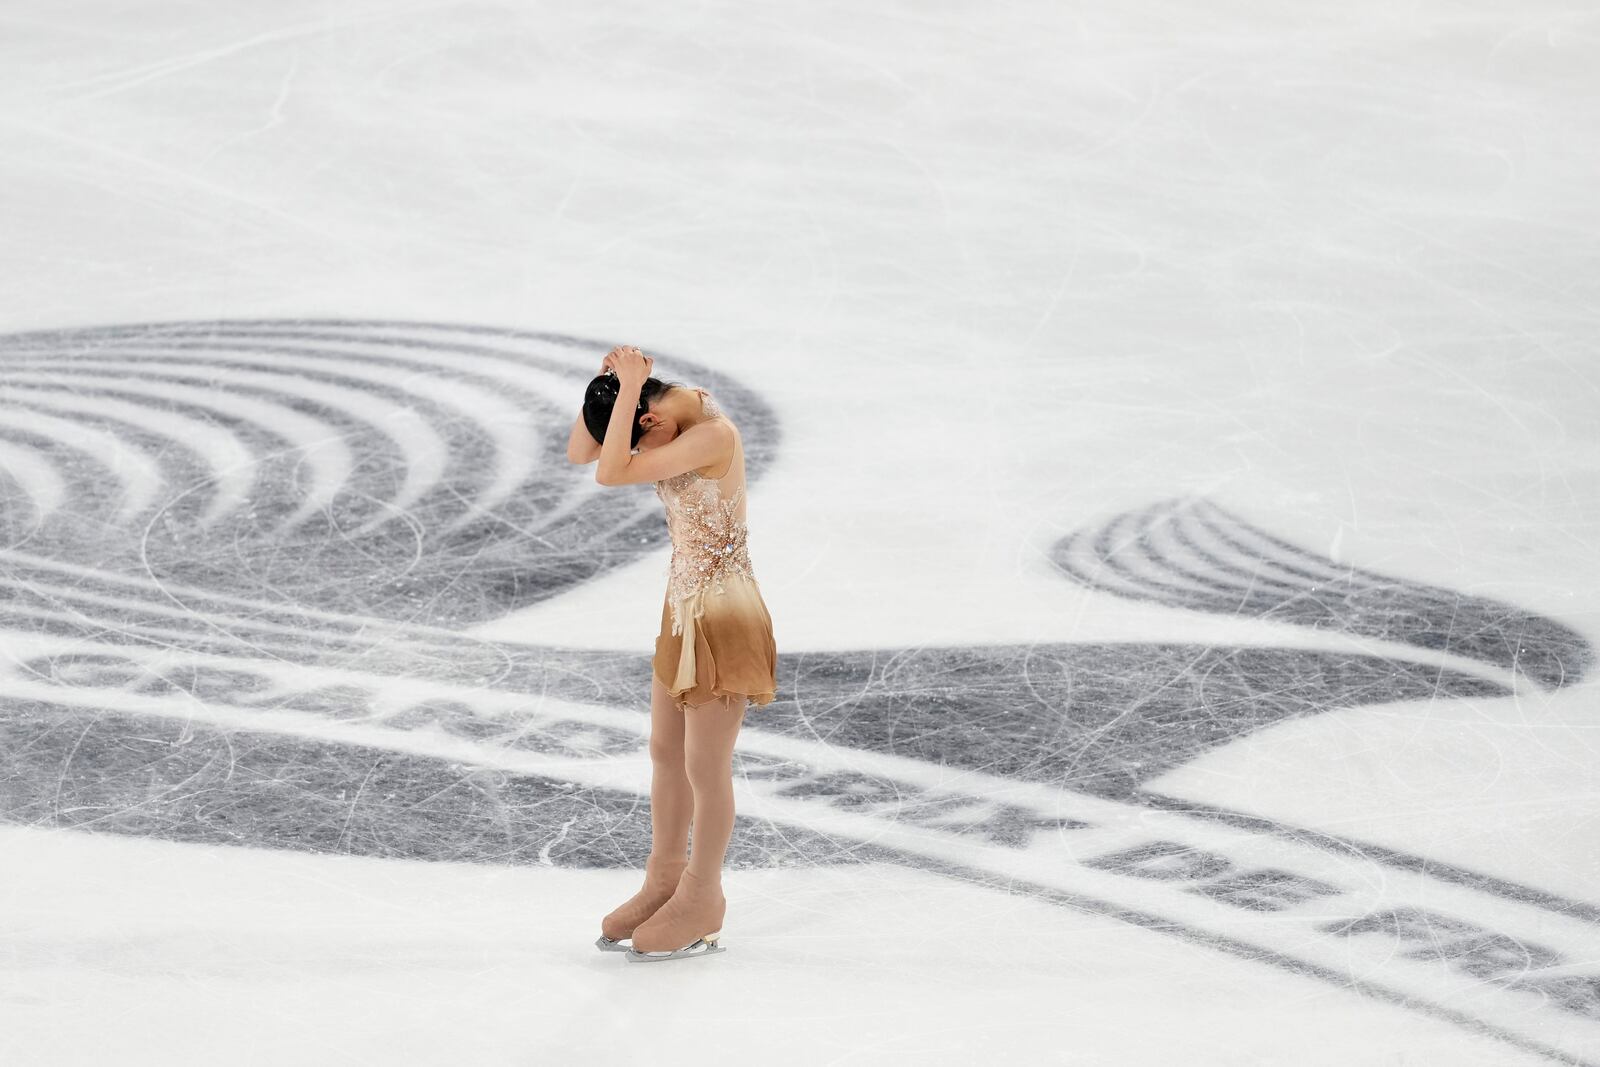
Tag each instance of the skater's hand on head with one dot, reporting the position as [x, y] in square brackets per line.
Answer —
[628, 364]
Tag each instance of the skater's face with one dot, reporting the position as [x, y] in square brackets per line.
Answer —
[659, 430]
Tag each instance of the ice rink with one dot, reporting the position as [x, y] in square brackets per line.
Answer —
[1174, 475]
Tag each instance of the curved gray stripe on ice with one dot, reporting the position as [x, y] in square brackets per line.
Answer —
[424, 452]
[230, 460]
[1178, 560]
[323, 446]
[514, 429]
[37, 477]
[140, 476]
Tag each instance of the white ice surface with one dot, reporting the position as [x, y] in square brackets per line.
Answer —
[140, 952]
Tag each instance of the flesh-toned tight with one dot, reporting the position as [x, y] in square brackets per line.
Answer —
[691, 758]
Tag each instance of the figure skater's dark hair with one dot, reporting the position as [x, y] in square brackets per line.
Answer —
[601, 397]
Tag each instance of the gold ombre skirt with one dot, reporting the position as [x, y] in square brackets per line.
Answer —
[726, 646]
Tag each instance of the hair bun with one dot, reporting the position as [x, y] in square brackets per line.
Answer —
[600, 397]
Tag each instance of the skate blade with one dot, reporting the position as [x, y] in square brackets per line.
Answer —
[704, 946]
[605, 944]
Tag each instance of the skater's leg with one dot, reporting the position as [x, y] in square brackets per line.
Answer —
[671, 808]
[697, 907]
[710, 731]
[671, 793]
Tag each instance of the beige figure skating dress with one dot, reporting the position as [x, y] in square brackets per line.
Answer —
[716, 636]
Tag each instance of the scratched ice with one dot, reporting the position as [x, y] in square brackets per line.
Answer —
[1174, 475]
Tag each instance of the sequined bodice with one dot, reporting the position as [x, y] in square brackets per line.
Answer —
[709, 539]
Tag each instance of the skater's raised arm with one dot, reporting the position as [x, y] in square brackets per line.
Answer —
[699, 445]
[710, 442]
[581, 445]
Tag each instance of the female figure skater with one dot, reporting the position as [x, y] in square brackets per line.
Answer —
[715, 651]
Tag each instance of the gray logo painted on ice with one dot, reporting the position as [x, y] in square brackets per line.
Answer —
[241, 558]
